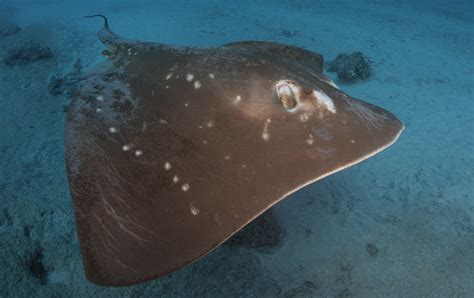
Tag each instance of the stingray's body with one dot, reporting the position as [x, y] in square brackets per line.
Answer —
[170, 150]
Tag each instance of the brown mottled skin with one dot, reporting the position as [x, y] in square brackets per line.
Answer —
[134, 222]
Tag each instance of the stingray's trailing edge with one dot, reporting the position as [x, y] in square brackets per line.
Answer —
[170, 151]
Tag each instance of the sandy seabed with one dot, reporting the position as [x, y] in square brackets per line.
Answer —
[398, 225]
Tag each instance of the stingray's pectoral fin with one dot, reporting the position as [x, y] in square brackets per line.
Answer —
[311, 59]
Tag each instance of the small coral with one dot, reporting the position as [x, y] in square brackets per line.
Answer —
[35, 265]
[5, 219]
[372, 250]
[9, 30]
[350, 67]
[28, 53]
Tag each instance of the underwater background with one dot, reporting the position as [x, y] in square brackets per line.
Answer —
[400, 224]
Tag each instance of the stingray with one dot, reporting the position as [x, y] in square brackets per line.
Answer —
[172, 150]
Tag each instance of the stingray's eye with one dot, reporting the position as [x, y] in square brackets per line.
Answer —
[286, 95]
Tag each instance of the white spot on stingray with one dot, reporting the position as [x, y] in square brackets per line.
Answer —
[197, 85]
[265, 136]
[265, 133]
[169, 76]
[167, 166]
[138, 153]
[210, 124]
[113, 129]
[353, 141]
[227, 157]
[204, 142]
[185, 187]
[175, 179]
[100, 98]
[98, 110]
[189, 77]
[244, 166]
[126, 147]
[163, 121]
[330, 82]
[237, 99]
[186, 105]
[167, 87]
[194, 210]
[310, 140]
[212, 76]
[304, 117]
[325, 100]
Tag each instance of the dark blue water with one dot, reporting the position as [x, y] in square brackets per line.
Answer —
[400, 224]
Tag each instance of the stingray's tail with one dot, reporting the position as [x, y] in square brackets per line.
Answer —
[106, 22]
[107, 36]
